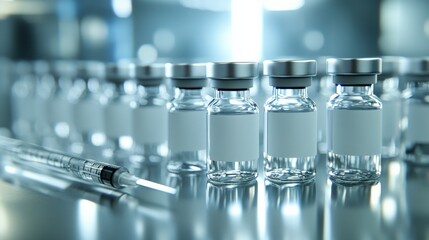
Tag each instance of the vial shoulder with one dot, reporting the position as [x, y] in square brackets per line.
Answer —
[354, 102]
[290, 104]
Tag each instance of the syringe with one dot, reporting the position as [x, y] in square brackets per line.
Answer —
[85, 169]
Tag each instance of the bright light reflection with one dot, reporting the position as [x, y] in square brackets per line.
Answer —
[291, 209]
[283, 5]
[4, 223]
[122, 8]
[235, 210]
[375, 196]
[126, 142]
[389, 209]
[246, 30]
[98, 139]
[87, 219]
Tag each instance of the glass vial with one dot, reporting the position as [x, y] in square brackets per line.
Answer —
[354, 121]
[89, 140]
[233, 123]
[416, 109]
[149, 115]
[187, 118]
[387, 89]
[290, 122]
[118, 95]
[60, 106]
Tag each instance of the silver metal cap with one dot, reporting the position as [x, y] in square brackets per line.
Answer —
[290, 68]
[390, 65]
[153, 71]
[353, 66]
[118, 72]
[414, 66]
[91, 69]
[185, 70]
[232, 70]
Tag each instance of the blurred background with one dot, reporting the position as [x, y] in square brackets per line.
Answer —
[207, 30]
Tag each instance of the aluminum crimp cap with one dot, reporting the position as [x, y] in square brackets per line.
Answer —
[353, 66]
[187, 75]
[390, 65]
[288, 73]
[414, 66]
[150, 74]
[91, 69]
[232, 75]
[118, 72]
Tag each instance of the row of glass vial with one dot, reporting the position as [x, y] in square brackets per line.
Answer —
[193, 98]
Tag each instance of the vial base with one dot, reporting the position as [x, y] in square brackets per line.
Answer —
[289, 170]
[189, 161]
[390, 148]
[221, 172]
[418, 153]
[354, 169]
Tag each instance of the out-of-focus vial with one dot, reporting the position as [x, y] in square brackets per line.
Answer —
[416, 108]
[149, 114]
[117, 98]
[290, 122]
[388, 91]
[60, 106]
[44, 90]
[320, 91]
[187, 118]
[354, 121]
[89, 140]
[22, 98]
[233, 123]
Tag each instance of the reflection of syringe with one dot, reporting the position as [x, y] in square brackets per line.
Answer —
[88, 170]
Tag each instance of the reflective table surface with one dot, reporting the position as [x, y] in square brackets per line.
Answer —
[36, 205]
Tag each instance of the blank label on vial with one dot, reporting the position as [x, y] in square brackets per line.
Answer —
[118, 120]
[391, 119]
[234, 138]
[354, 132]
[150, 125]
[60, 110]
[418, 124]
[88, 116]
[187, 130]
[291, 134]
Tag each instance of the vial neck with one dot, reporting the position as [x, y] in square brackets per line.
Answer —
[290, 92]
[355, 90]
[184, 93]
[243, 94]
[418, 85]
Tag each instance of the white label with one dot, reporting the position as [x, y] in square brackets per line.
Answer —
[418, 124]
[391, 119]
[187, 130]
[234, 138]
[118, 120]
[60, 110]
[150, 125]
[354, 132]
[292, 134]
[88, 116]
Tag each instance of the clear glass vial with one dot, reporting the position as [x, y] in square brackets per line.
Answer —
[387, 89]
[290, 122]
[233, 123]
[60, 106]
[117, 98]
[354, 121]
[416, 109]
[149, 114]
[89, 139]
[187, 118]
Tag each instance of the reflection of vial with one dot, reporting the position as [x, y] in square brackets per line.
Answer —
[88, 112]
[416, 106]
[149, 114]
[388, 92]
[187, 118]
[354, 121]
[233, 123]
[117, 111]
[290, 122]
